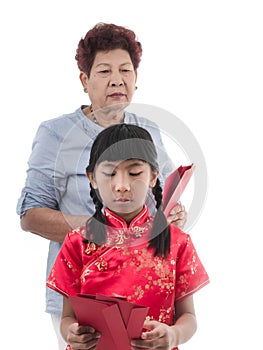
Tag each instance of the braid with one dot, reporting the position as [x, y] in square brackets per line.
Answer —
[97, 221]
[158, 194]
[160, 231]
[98, 204]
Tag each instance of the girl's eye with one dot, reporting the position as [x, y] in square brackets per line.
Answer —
[108, 174]
[136, 174]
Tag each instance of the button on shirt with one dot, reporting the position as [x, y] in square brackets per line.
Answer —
[56, 175]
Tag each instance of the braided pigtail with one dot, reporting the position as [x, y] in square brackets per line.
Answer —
[95, 225]
[160, 234]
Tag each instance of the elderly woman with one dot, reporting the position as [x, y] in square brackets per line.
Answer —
[54, 199]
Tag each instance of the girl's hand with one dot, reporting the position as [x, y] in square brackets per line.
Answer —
[159, 336]
[82, 337]
[178, 216]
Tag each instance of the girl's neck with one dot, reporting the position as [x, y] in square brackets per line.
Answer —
[128, 217]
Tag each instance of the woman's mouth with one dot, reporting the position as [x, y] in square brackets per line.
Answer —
[116, 95]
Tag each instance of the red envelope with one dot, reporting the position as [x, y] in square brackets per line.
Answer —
[133, 315]
[117, 320]
[174, 187]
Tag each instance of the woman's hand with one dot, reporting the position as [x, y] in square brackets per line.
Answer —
[159, 336]
[82, 337]
[178, 216]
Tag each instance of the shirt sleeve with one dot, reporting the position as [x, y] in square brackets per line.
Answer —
[65, 274]
[190, 272]
[165, 163]
[166, 166]
[39, 190]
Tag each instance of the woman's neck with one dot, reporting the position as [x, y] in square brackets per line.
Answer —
[107, 116]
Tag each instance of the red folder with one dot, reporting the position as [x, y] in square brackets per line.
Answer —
[117, 320]
[174, 187]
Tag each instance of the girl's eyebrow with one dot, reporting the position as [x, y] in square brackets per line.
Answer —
[115, 164]
[108, 165]
[136, 163]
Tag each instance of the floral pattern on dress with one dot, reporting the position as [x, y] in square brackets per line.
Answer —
[126, 267]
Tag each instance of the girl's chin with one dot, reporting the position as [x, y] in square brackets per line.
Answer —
[126, 213]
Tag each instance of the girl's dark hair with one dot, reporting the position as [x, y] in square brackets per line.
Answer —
[105, 37]
[123, 142]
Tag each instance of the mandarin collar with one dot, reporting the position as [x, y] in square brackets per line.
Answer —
[118, 222]
[120, 233]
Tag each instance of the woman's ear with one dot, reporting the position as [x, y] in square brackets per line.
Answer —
[136, 76]
[84, 78]
[92, 180]
[154, 178]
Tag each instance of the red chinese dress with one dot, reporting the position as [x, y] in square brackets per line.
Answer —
[126, 267]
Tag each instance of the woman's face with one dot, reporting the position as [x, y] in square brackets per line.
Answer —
[112, 79]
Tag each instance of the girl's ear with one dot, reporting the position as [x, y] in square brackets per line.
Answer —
[154, 178]
[92, 180]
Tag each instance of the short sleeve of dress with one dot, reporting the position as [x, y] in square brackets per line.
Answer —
[190, 272]
[65, 274]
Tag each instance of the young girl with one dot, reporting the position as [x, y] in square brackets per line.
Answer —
[123, 251]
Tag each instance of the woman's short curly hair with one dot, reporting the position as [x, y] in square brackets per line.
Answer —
[105, 37]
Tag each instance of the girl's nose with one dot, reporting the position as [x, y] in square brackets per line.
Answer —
[121, 183]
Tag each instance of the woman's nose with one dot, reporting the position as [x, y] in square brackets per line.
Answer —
[116, 79]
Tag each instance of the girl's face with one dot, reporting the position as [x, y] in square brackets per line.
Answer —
[112, 79]
[123, 185]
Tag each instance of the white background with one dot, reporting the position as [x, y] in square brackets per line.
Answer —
[202, 61]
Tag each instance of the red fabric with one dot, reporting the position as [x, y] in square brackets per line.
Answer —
[127, 268]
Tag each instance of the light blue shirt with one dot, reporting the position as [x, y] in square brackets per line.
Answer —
[56, 175]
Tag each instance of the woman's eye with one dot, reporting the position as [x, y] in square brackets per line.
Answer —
[104, 71]
[126, 71]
